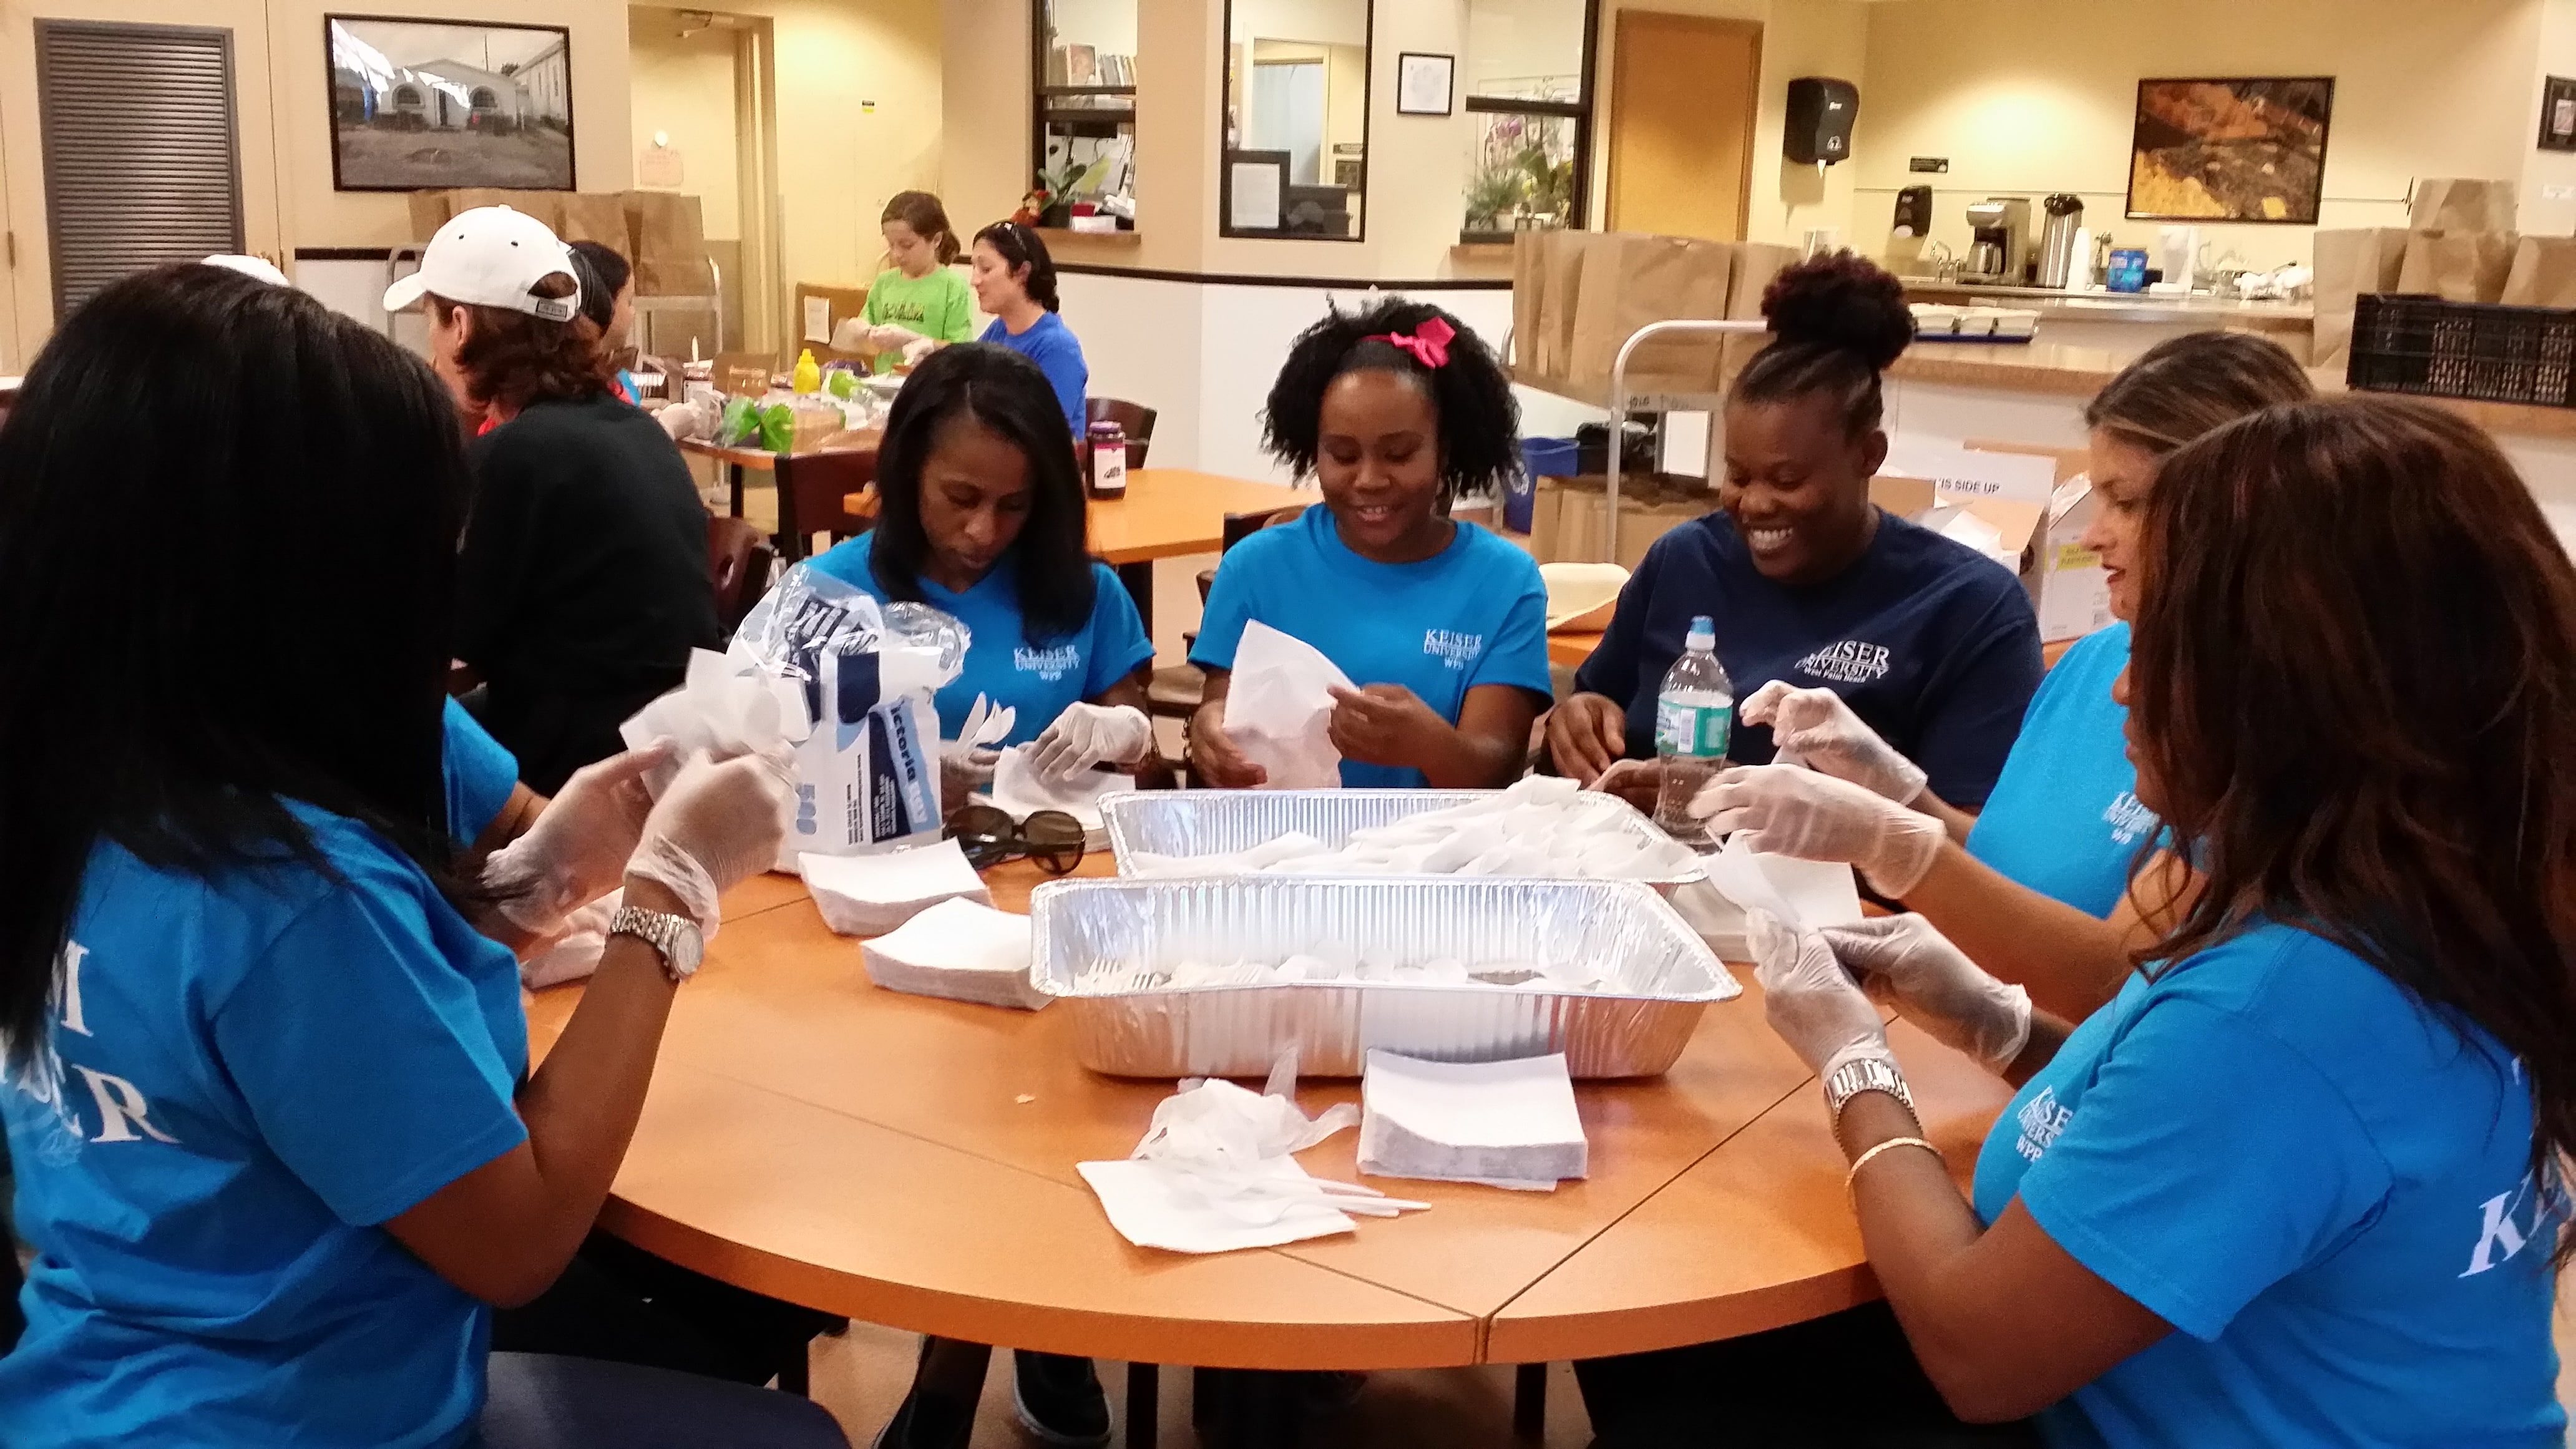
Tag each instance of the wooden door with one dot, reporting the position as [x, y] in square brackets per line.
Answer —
[31, 280]
[1683, 93]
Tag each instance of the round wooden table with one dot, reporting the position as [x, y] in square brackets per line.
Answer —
[910, 1162]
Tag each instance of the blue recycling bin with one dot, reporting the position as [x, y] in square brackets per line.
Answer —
[1540, 458]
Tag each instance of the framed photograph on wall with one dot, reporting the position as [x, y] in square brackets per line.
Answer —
[1425, 85]
[422, 105]
[2251, 150]
[2558, 114]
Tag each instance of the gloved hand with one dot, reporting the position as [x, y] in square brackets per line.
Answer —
[889, 337]
[715, 825]
[687, 420]
[917, 349]
[1816, 727]
[577, 849]
[1809, 999]
[1813, 816]
[1092, 734]
[1906, 961]
[964, 768]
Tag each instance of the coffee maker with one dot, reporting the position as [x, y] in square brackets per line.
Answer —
[1999, 240]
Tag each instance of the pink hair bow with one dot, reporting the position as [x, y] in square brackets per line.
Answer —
[1428, 343]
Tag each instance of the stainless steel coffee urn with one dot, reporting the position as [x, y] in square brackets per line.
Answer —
[2057, 259]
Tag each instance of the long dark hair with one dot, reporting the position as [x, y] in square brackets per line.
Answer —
[928, 219]
[604, 273]
[2197, 383]
[2385, 760]
[280, 490]
[1480, 421]
[1005, 393]
[1020, 247]
[1837, 322]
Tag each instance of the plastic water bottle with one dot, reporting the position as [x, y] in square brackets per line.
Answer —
[1694, 718]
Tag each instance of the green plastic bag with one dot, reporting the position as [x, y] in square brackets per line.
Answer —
[841, 383]
[738, 423]
[778, 428]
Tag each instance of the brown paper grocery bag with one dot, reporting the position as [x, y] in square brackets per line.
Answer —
[2457, 266]
[2448, 204]
[670, 254]
[1561, 298]
[1631, 280]
[545, 206]
[430, 211]
[1756, 264]
[2350, 264]
[1529, 299]
[2544, 273]
[597, 216]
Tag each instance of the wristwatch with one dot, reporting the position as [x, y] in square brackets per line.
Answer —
[675, 937]
[1864, 1074]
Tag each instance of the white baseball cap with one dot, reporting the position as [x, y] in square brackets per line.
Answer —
[259, 267]
[492, 257]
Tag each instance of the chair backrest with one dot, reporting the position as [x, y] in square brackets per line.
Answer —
[819, 483]
[1136, 418]
[738, 557]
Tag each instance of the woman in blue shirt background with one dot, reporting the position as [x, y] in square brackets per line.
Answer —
[1014, 281]
[982, 517]
[2299, 1182]
[1395, 411]
[2036, 886]
[278, 1149]
[1931, 642]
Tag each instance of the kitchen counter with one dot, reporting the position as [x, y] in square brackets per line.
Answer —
[2120, 306]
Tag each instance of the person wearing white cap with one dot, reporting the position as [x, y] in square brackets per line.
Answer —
[260, 267]
[583, 581]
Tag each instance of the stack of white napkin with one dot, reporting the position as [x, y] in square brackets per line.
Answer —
[1503, 1124]
[961, 950]
[1019, 789]
[869, 895]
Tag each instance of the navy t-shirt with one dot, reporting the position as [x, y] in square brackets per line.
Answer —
[1930, 642]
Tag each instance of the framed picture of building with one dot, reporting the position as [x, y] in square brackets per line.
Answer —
[2231, 150]
[422, 105]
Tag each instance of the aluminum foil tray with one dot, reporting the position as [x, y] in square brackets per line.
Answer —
[1220, 822]
[1088, 934]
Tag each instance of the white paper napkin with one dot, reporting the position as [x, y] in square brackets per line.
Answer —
[869, 895]
[1021, 790]
[961, 950]
[1279, 705]
[1504, 1124]
[1809, 894]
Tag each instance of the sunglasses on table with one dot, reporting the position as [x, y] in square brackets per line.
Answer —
[990, 836]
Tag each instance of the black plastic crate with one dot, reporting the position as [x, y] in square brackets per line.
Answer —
[2424, 345]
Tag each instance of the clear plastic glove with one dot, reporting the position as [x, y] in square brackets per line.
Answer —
[889, 337]
[964, 768]
[687, 420]
[1092, 734]
[1790, 810]
[1820, 730]
[1906, 962]
[716, 825]
[1809, 999]
[577, 849]
[917, 349]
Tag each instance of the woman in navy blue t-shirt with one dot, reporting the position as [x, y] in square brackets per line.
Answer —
[1932, 643]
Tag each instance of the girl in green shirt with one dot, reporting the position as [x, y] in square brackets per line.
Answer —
[918, 300]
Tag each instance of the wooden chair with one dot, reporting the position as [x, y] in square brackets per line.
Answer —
[1176, 692]
[739, 560]
[811, 487]
[1136, 418]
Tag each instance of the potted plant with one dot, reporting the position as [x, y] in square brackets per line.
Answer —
[1491, 195]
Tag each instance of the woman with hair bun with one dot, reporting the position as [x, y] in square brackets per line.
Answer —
[1015, 281]
[1931, 643]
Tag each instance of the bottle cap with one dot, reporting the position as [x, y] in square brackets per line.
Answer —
[1703, 632]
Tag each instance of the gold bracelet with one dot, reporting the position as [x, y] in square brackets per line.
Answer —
[1863, 1160]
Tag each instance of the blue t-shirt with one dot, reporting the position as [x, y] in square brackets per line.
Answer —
[1051, 345]
[481, 776]
[1036, 678]
[247, 1076]
[2324, 1187]
[1930, 642]
[2064, 819]
[1473, 614]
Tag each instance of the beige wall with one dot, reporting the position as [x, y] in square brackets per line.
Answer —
[2027, 97]
[2543, 171]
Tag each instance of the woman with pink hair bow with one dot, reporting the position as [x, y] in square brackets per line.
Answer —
[1441, 625]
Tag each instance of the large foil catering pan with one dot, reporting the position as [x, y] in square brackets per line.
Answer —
[1221, 822]
[1095, 940]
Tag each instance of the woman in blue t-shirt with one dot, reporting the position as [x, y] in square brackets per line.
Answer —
[2037, 885]
[278, 1147]
[1807, 581]
[1440, 625]
[1014, 282]
[2299, 1182]
[982, 517]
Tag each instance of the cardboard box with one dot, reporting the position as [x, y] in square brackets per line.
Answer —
[2067, 583]
[1569, 517]
[2039, 539]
